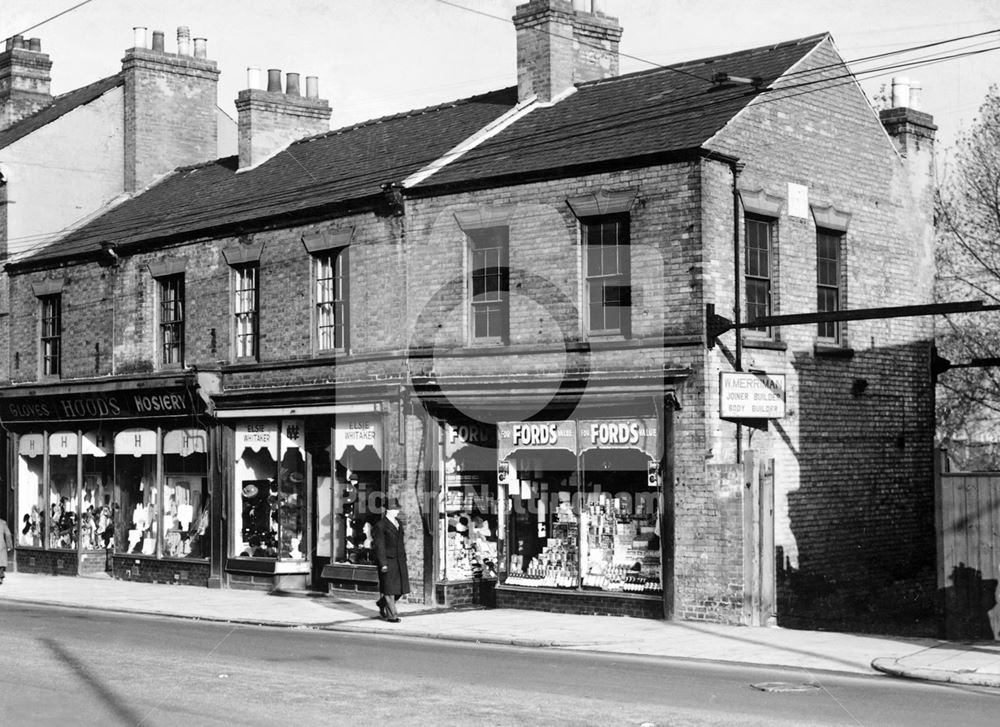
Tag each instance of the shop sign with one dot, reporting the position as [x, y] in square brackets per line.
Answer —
[641, 434]
[512, 436]
[358, 431]
[458, 435]
[144, 403]
[256, 436]
[62, 444]
[751, 395]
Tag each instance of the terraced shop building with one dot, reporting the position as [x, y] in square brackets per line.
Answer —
[495, 310]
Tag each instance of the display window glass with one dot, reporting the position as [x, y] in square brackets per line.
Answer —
[63, 473]
[135, 475]
[587, 519]
[359, 486]
[271, 500]
[468, 517]
[32, 507]
[97, 505]
[186, 497]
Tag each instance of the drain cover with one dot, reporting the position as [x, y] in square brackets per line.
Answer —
[784, 687]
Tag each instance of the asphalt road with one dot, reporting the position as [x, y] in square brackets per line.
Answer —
[72, 667]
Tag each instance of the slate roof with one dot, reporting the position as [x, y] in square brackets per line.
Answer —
[61, 105]
[635, 116]
[666, 110]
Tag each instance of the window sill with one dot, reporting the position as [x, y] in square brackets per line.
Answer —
[765, 343]
[832, 350]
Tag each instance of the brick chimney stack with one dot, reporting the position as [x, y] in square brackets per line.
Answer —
[170, 107]
[25, 83]
[913, 132]
[268, 120]
[561, 43]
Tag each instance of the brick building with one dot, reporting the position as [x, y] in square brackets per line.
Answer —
[495, 310]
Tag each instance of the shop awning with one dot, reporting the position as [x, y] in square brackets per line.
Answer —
[358, 432]
[640, 434]
[135, 442]
[63, 444]
[512, 436]
[97, 444]
[257, 436]
[185, 442]
[31, 445]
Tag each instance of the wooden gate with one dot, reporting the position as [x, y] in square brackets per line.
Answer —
[968, 541]
[758, 541]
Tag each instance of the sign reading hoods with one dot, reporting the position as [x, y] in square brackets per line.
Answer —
[91, 405]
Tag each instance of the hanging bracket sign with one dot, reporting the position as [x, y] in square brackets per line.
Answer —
[751, 395]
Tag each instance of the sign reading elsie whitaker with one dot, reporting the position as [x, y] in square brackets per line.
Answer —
[129, 404]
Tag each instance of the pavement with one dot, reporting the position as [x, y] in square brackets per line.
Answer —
[973, 664]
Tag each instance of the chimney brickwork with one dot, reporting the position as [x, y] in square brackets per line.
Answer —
[270, 120]
[170, 112]
[25, 83]
[560, 43]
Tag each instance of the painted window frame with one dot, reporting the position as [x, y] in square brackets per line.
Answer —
[488, 252]
[614, 285]
[246, 311]
[759, 267]
[171, 312]
[50, 340]
[829, 283]
[331, 277]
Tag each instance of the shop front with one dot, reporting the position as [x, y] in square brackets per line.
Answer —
[112, 479]
[581, 506]
[303, 486]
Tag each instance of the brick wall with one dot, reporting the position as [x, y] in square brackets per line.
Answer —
[151, 570]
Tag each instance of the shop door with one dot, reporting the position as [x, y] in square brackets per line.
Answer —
[758, 541]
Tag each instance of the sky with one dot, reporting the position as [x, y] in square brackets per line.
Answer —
[378, 57]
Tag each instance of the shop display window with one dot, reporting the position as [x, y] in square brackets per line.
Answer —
[359, 487]
[63, 518]
[186, 497]
[271, 502]
[135, 474]
[545, 521]
[97, 505]
[31, 491]
[468, 518]
[589, 521]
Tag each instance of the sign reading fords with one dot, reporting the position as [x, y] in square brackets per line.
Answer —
[751, 395]
[96, 405]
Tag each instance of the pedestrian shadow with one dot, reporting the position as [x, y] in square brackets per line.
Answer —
[87, 675]
[968, 605]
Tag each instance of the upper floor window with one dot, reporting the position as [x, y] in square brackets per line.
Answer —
[490, 302]
[245, 310]
[759, 269]
[608, 275]
[331, 299]
[171, 324]
[828, 281]
[51, 334]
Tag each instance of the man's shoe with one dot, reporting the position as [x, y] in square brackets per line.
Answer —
[394, 620]
[381, 608]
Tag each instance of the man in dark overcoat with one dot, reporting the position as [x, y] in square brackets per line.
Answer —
[390, 557]
[6, 544]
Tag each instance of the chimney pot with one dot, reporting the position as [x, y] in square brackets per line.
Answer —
[599, 6]
[900, 92]
[312, 87]
[253, 77]
[158, 41]
[200, 48]
[581, 6]
[35, 44]
[138, 37]
[19, 41]
[916, 91]
[274, 79]
[183, 41]
[292, 84]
